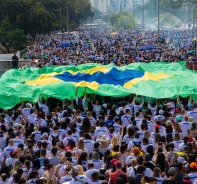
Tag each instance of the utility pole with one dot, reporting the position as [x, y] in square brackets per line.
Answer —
[158, 12]
[60, 18]
[142, 14]
[133, 8]
[67, 19]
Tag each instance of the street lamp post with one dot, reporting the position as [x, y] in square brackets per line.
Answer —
[67, 19]
[60, 18]
[142, 14]
[158, 13]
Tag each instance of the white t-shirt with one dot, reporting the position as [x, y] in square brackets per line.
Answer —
[84, 178]
[45, 108]
[193, 176]
[65, 179]
[185, 126]
[6, 151]
[31, 118]
[137, 107]
[26, 112]
[10, 161]
[97, 163]
[126, 119]
[89, 145]
[193, 114]
[90, 171]
[17, 142]
[97, 109]
[99, 130]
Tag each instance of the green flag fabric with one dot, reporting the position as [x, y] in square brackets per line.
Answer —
[157, 80]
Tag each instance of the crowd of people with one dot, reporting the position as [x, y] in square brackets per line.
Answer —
[99, 140]
[96, 45]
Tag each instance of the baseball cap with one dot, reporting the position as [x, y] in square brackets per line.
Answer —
[193, 165]
[44, 134]
[147, 157]
[105, 105]
[179, 118]
[157, 126]
[13, 152]
[191, 106]
[113, 161]
[161, 112]
[118, 164]
[16, 125]
[181, 160]
[172, 171]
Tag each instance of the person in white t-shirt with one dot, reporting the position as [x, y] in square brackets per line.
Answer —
[91, 170]
[137, 105]
[18, 139]
[27, 111]
[97, 108]
[10, 147]
[192, 112]
[125, 119]
[43, 105]
[185, 126]
[152, 106]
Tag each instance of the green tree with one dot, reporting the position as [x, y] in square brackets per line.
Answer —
[11, 37]
[170, 21]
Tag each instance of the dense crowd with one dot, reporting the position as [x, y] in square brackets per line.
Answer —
[97, 45]
[100, 140]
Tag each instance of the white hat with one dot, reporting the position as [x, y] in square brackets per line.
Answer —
[161, 112]
[105, 105]
[181, 160]
[121, 109]
[101, 133]
[28, 104]
[16, 125]
[104, 138]
[44, 134]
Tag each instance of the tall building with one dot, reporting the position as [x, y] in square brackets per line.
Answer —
[101, 5]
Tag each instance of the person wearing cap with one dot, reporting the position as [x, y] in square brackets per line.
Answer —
[171, 173]
[91, 170]
[100, 129]
[10, 147]
[11, 161]
[185, 126]
[192, 112]
[159, 116]
[193, 169]
[147, 161]
[26, 111]
[114, 175]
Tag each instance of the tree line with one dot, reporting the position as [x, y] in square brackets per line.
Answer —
[19, 18]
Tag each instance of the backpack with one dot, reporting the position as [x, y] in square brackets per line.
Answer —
[55, 119]
[55, 140]
[137, 143]
[10, 164]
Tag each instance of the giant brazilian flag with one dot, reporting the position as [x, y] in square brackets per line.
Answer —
[158, 80]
